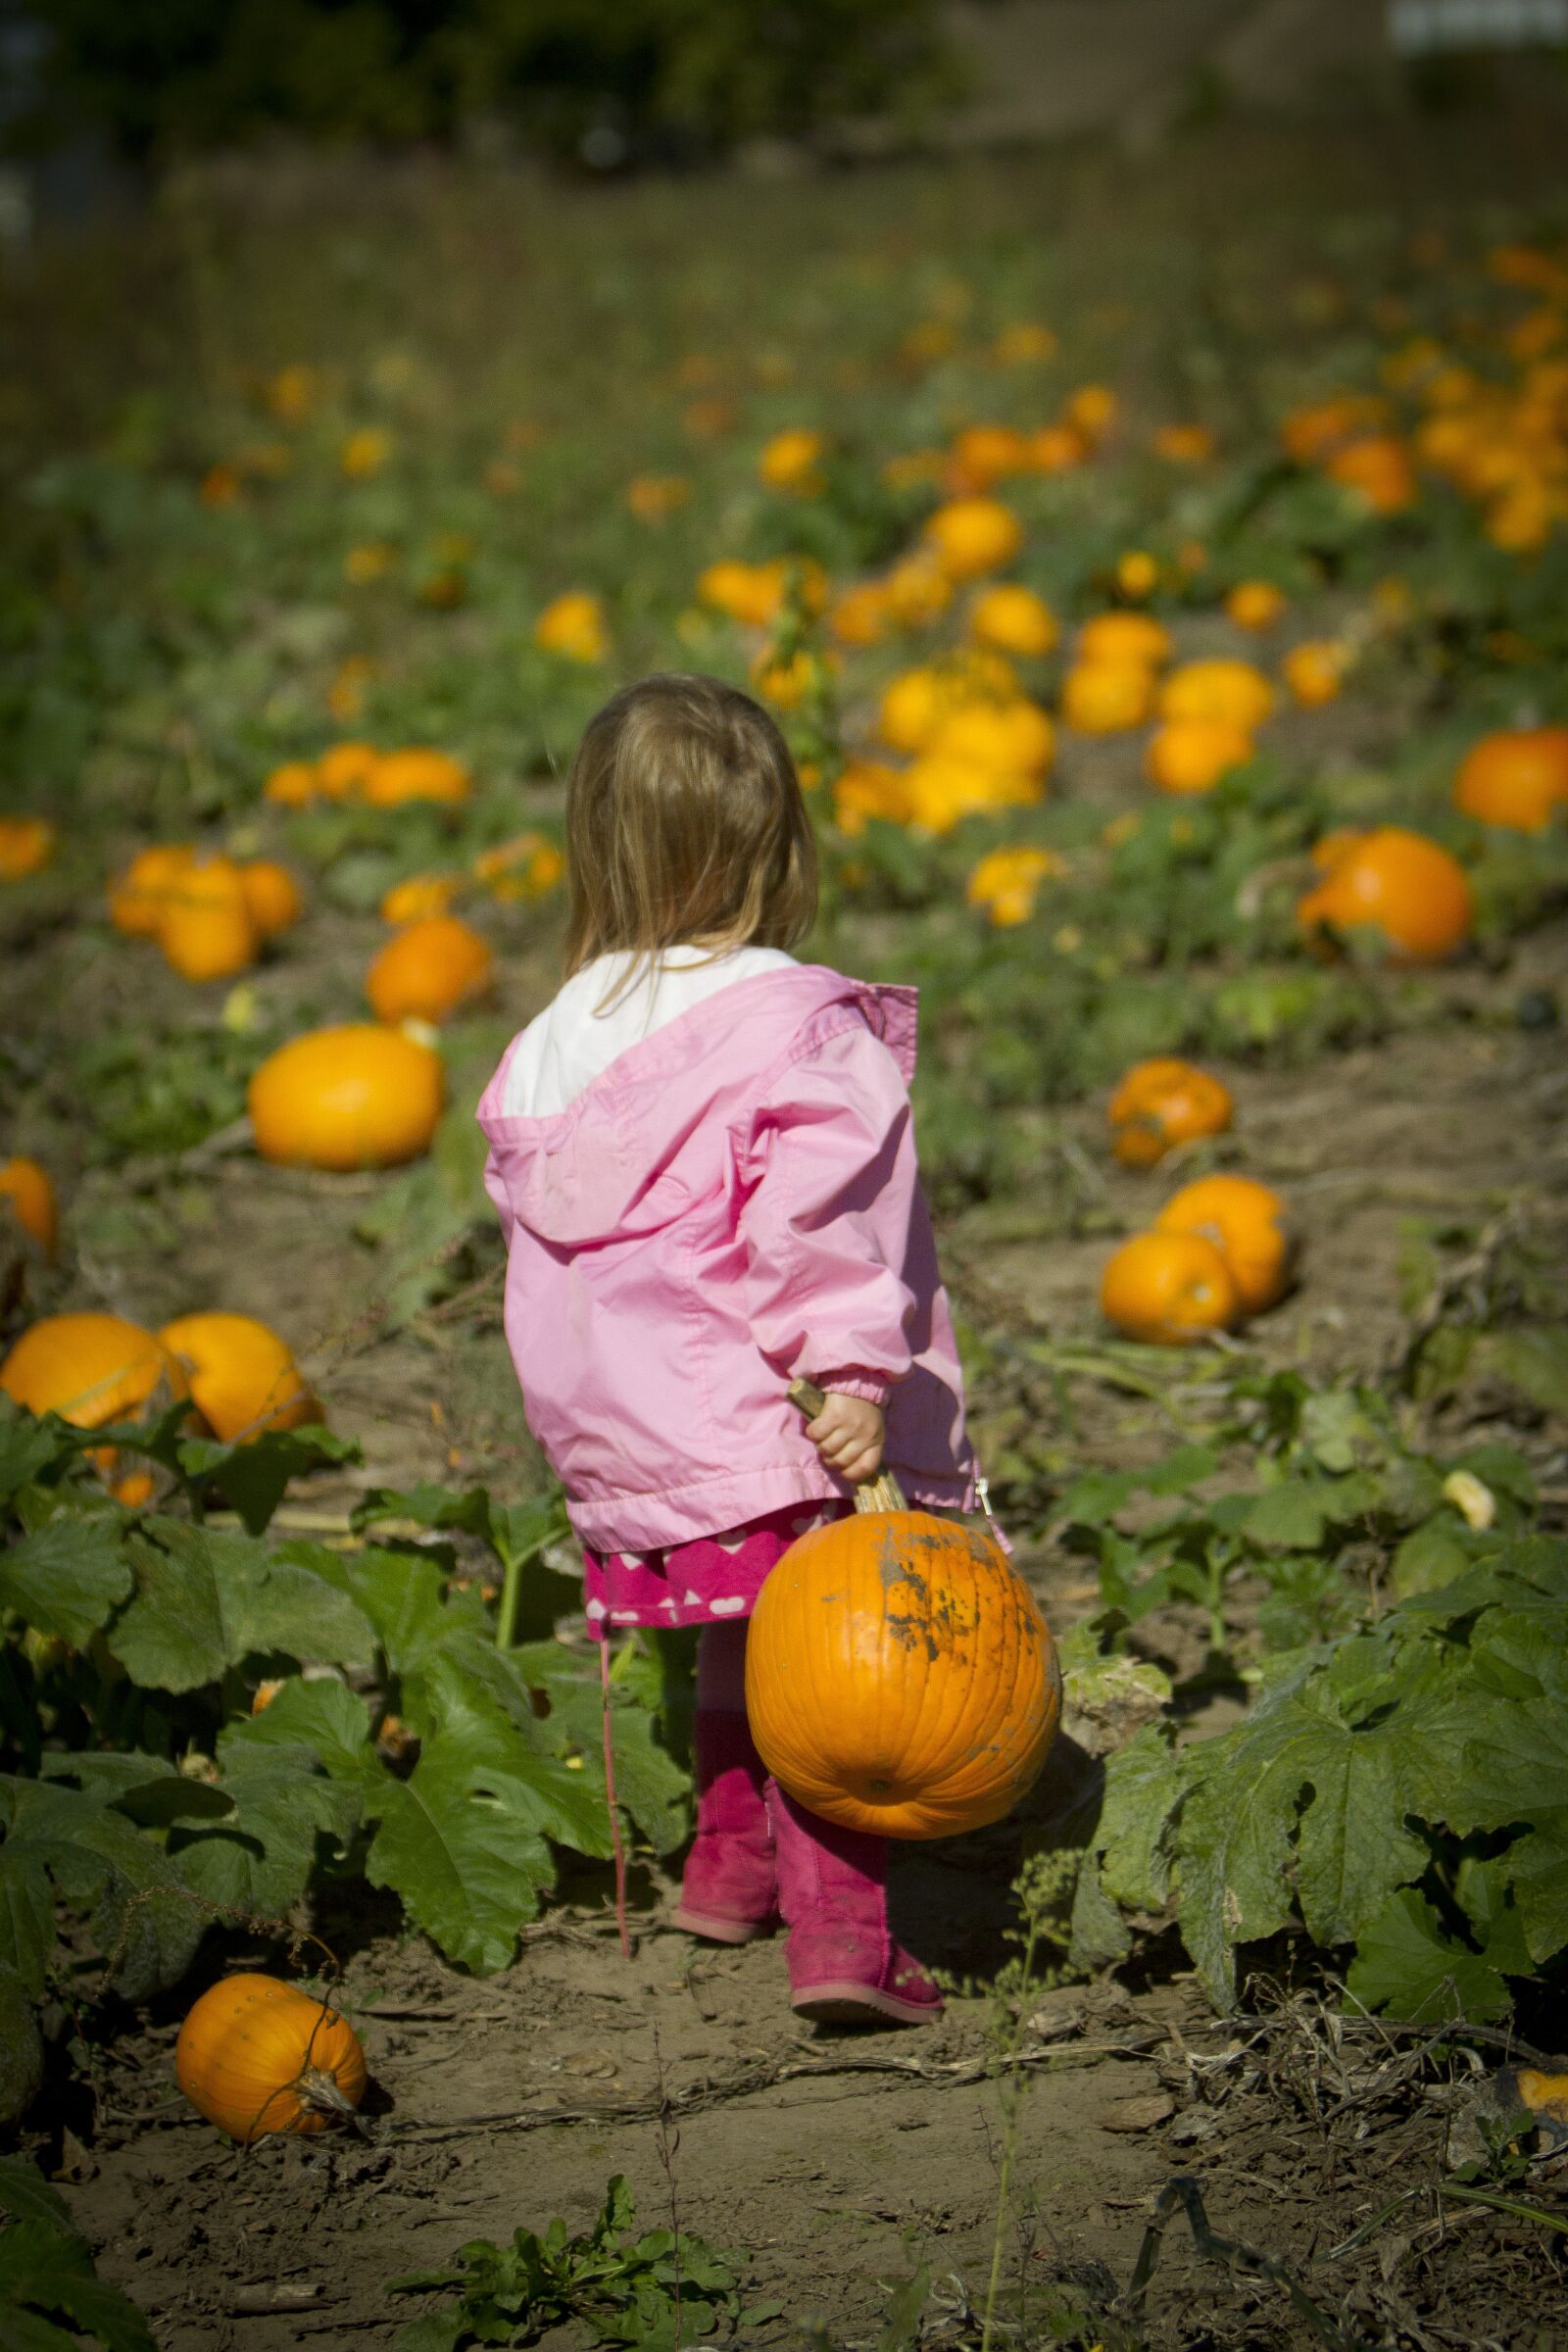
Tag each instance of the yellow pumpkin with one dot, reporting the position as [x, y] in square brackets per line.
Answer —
[1013, 738]
[969, 536]
[417, 774]
[362, 1096]
[243, 1378]
[1107, 698]
[1011, 619]
[1191, 755]
[256, 2055]
[1125, 639]
[900, 1677]
[1235, 692]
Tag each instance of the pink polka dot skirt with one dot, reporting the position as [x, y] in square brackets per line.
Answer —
[701, 1583]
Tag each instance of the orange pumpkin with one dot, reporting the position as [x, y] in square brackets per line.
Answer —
[1125, 638]
[271, 897]
[1012, 620]
[362, 1096]
[1377, 471]
[419, 896]
[1168, 1288]
[1234, 692]
[89, 1369]
[1248, 1226]
[1010, 738]
[1314, 670]
[206, 931]
[428, 969]
[1192, 755]
[243, 1378]
[900, 1677]
[346, 770]
[26, 843]
[1393, 882]
[294, 785]
[1163, 1103]
[139, 899]
[1107, 698]
[26, 1189]
[416, 774]
[969, 536]
[1254, 605]
[1517, 778]
[256, 2055]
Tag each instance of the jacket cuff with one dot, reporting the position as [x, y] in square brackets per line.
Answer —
[854, 1383]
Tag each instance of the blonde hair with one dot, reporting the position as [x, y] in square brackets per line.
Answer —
[685, 826]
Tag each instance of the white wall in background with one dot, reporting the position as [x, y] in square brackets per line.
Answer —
[1418, 27]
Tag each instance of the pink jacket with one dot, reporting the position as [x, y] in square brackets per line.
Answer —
[734, 1200]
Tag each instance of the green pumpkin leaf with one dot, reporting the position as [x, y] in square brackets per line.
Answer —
[67, 1577]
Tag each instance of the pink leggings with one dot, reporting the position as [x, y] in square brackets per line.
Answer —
[721, 1668]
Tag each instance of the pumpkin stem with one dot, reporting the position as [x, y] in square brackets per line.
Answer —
[880, 1494]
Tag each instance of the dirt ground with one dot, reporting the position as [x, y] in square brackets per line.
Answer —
[837, 2164]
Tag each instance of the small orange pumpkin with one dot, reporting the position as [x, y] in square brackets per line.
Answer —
[243, 1378]
[1125, 638]
[1254, 605]
[206, 931]
[1517, 778]
[1162, 1102]
[271, 897]
[1107, 698]
[428, 969]
[26, 1189]
[360, 1096]
[1249, 1227]
[1168, 1288]
[900, 1677]
[969, 536]
[417, 774]
[1235, 692]
[1192, 755]
[1011, 619]
[256, 2056]
[139, 899]
[1394, 882]
[26, 843]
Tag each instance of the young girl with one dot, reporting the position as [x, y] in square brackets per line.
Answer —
[701, 1157]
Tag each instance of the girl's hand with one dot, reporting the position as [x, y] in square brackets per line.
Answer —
[848, 1433]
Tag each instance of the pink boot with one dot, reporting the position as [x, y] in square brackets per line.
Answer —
[845, 1968]
[728, 1889]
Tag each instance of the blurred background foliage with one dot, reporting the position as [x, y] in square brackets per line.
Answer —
[600, 83]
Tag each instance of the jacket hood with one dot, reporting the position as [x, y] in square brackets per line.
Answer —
[615, 1161]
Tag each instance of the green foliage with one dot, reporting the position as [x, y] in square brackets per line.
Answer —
[655, 2292]
[51, 2298]
[1402, 1791]
[149, 1797]
[650, 77]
